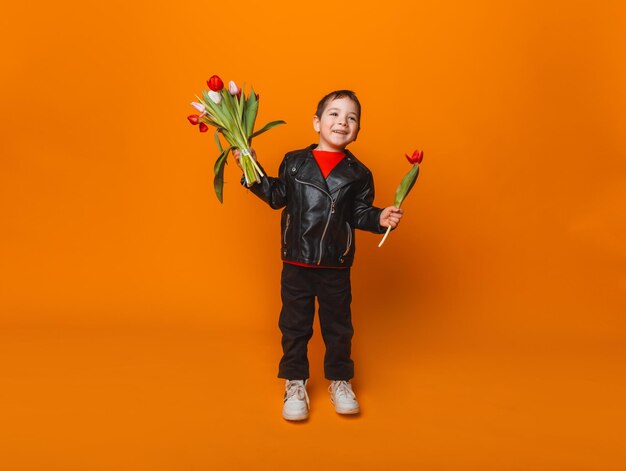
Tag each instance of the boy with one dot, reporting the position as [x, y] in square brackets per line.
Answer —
[326, 194]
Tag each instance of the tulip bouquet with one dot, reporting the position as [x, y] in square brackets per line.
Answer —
[233, 114]
[407, 183]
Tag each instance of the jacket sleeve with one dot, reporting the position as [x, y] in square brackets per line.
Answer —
[365, 216]
[271, 190]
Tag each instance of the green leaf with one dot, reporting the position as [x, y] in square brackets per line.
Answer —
[217, 139]
[207, 120]
[244, 110]
[221, 118]
[250, 112]
[267, 127]
[406, 184]
[218, 181]
[230, 105]
[239, 105]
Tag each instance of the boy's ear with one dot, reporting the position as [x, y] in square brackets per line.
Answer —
[316, 123]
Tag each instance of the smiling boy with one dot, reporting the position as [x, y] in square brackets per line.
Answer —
[326, 193]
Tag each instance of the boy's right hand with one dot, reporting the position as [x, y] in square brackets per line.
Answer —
[236, 155]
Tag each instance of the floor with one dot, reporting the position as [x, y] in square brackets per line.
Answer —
[186, 397]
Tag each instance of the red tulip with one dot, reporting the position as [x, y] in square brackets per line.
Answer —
[203, 127]
[215, 83]
[193, 119]
[416, 158]
[407, 183]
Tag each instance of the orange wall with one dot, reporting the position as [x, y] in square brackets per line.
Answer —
[516, 226]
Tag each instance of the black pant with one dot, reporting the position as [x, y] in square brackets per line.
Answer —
[299, 287]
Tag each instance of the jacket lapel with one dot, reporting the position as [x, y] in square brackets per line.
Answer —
[343, 174]
[310, 173]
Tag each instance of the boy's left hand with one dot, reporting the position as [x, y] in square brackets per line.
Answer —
[237, 154]
[390, 216]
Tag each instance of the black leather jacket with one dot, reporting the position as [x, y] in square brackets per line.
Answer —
[320, 215]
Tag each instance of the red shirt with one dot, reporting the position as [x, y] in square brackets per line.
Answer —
[327, 161]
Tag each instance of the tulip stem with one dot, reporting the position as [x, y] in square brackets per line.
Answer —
[385, 236]
[256, 166]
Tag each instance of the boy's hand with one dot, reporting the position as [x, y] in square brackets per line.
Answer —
[390, 216]
[236, 155]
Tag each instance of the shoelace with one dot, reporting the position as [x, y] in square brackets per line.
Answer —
[341, 388]
[295, 388]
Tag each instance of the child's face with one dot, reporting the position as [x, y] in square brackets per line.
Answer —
[338, 126]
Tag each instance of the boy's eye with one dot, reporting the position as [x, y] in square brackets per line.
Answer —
[352, 118]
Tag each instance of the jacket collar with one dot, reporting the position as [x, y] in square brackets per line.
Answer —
[341, 175]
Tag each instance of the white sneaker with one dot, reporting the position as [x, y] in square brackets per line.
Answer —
[343, 398]
[296, 402]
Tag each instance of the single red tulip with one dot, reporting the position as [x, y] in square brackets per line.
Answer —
[215, 83]
[203, 127]
[416, 158]
[193, 119]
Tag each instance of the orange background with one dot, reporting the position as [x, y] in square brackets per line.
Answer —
[139, 316]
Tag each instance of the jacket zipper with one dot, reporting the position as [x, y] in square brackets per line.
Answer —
[332, 210]
[349, 239]
[286, 228]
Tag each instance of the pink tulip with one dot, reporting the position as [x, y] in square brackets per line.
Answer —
[232, 88]
[198, 106]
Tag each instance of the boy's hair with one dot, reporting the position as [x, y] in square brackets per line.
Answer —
[321, 106]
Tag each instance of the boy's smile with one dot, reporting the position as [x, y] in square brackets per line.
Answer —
[338, 126]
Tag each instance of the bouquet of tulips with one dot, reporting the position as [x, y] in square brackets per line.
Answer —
[233, 114]
[407, 183]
